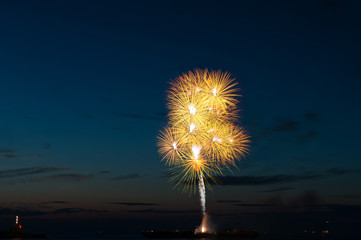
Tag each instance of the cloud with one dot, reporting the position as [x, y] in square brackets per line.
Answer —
[46, 145]
[56, 202]
[68, 177]
[306, 201]
[310, 116]
[305, 137]
[28, 171]
[282, 125]
[72, 177]
[339, 171]
[224, 214]
[134, 203]
[10, 156]
[122, 128]
[264, 132]
[22, 212]
[278, 189]
[8, 153]
[265, 180]
[344, 209]
[139, 116]
[229, 201]
[27, 211]
[278, 179]
[129, 176]
[254, 205]
[286, 125]
[349, 196]
[164, 211]
[309, 198]
[76, 210]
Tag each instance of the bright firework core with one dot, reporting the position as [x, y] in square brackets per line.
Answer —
[192, 110]
[206, 226]
[214, 91]
[205, 101]
[215, 139]
[196, 150]
[192, 126]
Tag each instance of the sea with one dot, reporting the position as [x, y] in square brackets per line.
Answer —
[138, 236]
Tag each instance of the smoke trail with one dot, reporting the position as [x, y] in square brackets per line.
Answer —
[202, 194]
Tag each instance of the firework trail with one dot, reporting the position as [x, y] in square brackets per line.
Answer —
[202, 137]
[202, 194]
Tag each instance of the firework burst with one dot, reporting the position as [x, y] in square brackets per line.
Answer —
[202, 137]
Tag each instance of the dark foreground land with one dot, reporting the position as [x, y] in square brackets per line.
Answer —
[187, 234]
[7, 235]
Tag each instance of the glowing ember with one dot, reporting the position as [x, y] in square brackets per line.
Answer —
[192, 110]
[214, 91]
[192, 127]
[196, 150]
[205, 226]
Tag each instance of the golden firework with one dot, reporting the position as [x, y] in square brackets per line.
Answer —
[187, 172]
[202, 137]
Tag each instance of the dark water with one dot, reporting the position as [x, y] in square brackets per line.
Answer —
[138, 236]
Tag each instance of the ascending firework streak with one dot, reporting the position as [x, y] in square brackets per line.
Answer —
[202, 194]
[202, 139]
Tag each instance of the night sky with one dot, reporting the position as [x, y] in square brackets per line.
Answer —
[82, 99]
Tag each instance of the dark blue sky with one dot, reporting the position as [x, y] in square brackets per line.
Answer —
[82, 99]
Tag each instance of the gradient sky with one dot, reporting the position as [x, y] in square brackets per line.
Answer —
[82, 99]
